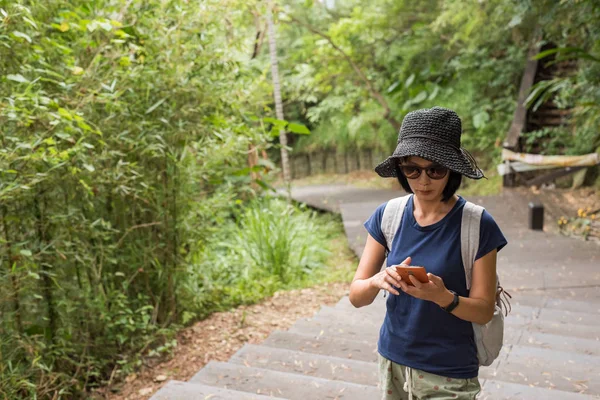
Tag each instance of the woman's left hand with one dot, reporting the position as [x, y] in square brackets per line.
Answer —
[434, 290]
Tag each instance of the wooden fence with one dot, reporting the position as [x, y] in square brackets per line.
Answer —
[333, 162]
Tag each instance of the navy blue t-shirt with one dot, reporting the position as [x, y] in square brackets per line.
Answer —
[418, 333]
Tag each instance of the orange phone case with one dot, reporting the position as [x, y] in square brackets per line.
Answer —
[417, 272]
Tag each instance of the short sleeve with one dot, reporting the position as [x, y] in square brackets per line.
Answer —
[373, 225]
[490, 236]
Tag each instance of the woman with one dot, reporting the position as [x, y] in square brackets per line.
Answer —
[426, 345]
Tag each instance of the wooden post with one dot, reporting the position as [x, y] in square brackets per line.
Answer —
[508, 180]
[335, 162]
[346, 162]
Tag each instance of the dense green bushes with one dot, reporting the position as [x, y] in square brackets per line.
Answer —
[122, 131]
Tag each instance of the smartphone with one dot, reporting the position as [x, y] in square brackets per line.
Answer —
[417, 272]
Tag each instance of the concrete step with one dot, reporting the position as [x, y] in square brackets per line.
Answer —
[570, 372]
[497, 390]
[176, 390]
[337, 328]
[520, 315]
[298, 362]
[280, 384]
[367, 328]
[552, 275]
[564, 300]
[553, 342]
[327, 346]
[554, 318]
[323, 345]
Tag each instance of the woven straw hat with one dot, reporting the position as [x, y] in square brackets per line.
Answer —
[433, 134]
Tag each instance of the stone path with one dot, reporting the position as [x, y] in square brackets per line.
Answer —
[552, 337]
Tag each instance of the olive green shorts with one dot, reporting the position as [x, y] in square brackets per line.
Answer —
[396, 381]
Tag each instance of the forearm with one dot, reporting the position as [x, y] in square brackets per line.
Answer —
[362, 292]
[472, 310]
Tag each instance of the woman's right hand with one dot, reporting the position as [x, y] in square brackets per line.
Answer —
[388, 278]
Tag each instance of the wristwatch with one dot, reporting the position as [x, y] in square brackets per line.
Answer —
[452, 305]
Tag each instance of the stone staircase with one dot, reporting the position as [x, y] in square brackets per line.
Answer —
[552, 336]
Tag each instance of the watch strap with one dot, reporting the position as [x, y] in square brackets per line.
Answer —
[450, 307]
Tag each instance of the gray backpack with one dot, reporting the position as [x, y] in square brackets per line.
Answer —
[488, 337]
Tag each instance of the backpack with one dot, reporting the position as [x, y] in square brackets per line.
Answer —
[488, 337]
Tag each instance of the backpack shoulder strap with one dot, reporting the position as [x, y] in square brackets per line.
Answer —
[469, 237]
[392, 217]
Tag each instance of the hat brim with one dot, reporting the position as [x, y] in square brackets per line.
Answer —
[444, 154]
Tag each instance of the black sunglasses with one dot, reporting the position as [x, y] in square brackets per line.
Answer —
[435, 172]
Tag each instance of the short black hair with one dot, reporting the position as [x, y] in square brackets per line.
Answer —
[452, 186]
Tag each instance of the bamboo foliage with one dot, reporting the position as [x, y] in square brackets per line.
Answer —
[110, 120]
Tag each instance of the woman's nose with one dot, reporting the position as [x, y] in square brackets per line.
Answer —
[424, 178]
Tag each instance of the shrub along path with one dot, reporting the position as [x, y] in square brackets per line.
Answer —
[552, 339]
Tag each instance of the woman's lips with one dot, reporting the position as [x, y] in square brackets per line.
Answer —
[425, 191]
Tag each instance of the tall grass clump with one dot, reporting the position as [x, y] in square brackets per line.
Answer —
[269, 245]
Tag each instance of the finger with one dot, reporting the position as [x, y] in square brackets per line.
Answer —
[390, 289]
[410, 290]
[392, 272]
[404, 286]
[390, 279]
[415, 282]
[407, 261]
[437, 281]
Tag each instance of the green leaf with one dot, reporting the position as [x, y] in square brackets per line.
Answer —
[30, 22]
[265, 185]
[65, 113]
[107, 26]
[17, 78]
[22, 35]
[393, 86]
[434, 93]
[26, 253]
[420, 97]
[33, 275]
[156, 105]
[276, 122]
[516, 20]
[89, 167]
[298, 128]
[481, 119]
[409, 81]
[572, 52]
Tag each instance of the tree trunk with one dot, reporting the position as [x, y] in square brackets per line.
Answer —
[45, 270]
[285, 163]
[13, 278]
